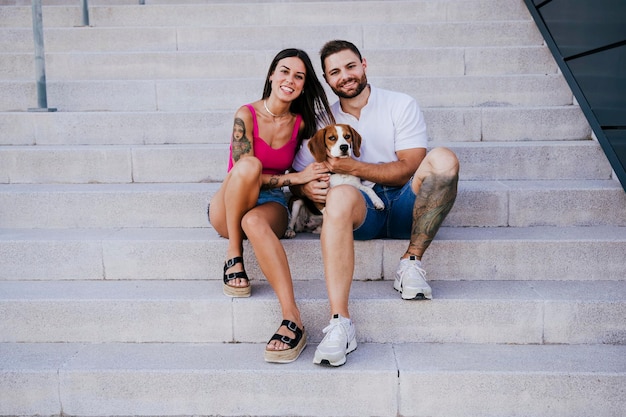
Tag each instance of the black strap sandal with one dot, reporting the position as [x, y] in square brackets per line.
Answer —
[230, 290]
[296, 345]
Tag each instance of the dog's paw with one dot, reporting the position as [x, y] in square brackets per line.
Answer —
[379, 205]
[289, 234]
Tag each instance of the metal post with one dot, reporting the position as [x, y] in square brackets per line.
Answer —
[85, 8]
[40, 65]
[142, 1]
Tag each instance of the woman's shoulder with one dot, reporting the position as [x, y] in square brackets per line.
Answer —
[245, 110]
[245, 113]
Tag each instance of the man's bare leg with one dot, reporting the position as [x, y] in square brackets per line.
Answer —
[434, 200]
[435, 185]
[344, 211]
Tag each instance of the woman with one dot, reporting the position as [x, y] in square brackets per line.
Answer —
[250, 203]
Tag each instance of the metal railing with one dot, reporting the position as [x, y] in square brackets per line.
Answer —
[40, 62]
[40, 56]
[85, 8]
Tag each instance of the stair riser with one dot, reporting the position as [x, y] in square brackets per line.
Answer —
[198, 312]
[199, 255]
[384, 380]
[253, 64]
[499, 124]
[169, 164]
[259, 14]
[201, 95]
[477, 204]
[188, 38]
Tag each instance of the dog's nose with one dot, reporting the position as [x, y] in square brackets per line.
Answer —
[343, 148]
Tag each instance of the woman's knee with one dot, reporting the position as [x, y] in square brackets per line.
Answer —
[252, 221]
[269, 217]
[249, 167]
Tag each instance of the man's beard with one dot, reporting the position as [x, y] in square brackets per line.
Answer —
[360, 87]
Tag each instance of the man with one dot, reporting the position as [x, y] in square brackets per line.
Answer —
[418, 189]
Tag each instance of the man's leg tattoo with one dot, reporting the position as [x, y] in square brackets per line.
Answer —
[432, 204]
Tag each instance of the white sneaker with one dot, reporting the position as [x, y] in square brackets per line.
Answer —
[340, 340]
[411, 280]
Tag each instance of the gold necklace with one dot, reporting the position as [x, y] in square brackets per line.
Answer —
[269, 111]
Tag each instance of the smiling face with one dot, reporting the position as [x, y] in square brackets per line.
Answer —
[345, 73]
[288, 78]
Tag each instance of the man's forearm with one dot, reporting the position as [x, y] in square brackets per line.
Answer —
[396, 173]
[390, 173]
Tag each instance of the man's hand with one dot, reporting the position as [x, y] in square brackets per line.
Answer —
[316, 190]
[341, 165]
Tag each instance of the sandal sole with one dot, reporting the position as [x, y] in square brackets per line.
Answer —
[237, 292]
[287, 355]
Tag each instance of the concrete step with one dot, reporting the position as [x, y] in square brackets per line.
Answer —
[457, 253]
[386, 379]
[207, 163]
[228, 94]
[479, 203]
[445, 124]
[189, 38]
[260, 13]
[516, 312]
[214, 64]
[73, 3]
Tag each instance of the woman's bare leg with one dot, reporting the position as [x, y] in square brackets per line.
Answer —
[264, 225]
[237, 195]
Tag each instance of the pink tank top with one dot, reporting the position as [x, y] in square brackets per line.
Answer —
[275, 161]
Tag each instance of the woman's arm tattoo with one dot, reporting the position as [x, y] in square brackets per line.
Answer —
[240, 143]
[277, 181]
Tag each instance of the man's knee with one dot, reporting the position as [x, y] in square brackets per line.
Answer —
[343, 201]
[443, 161]
[441, 166]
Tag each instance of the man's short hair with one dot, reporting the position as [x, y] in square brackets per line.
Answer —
[332, 47]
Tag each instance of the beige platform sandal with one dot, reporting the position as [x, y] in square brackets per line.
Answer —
[296, 345]
[231, 291]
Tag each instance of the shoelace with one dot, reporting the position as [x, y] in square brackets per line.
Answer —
[421, 271]
[334, 336]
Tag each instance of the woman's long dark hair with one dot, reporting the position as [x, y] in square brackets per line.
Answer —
[312, 104]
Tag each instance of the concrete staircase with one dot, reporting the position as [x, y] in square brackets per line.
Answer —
[110, 275]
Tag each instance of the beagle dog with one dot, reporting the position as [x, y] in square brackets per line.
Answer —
[339, 141]
[305, 217]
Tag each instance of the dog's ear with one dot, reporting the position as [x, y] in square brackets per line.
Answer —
[317, 145]
[356, 141]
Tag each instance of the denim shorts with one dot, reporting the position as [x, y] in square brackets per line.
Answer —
[265, 196]
[275, 194]
[395, 220]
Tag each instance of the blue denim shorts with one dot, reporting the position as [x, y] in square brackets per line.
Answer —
[275, 194]
[395, 220]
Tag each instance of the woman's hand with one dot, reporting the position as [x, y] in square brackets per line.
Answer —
[314, 172]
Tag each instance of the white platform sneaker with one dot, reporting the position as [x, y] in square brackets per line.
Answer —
[340, 340]
[411, 280]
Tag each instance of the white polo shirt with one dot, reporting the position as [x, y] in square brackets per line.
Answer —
[389, 122]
